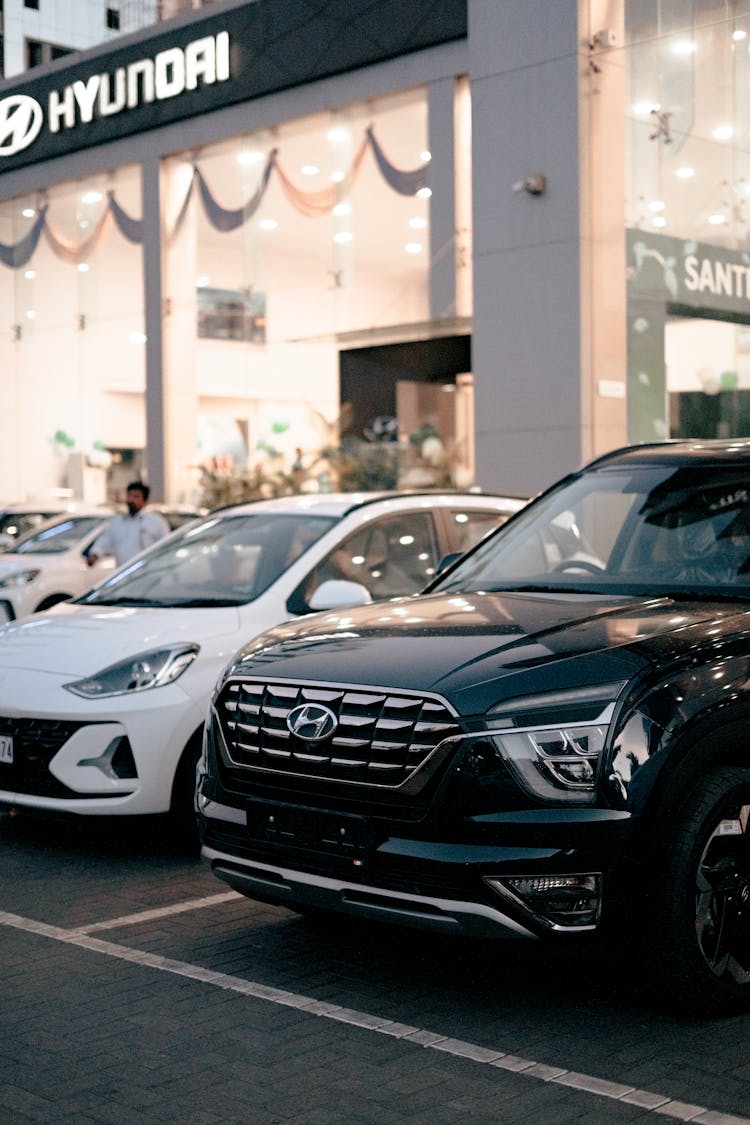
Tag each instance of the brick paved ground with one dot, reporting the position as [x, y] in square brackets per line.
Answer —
[87, 1036]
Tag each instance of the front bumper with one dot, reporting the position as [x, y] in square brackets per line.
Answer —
[344, 864]
[93, 758]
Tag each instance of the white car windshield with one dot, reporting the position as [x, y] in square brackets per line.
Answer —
[223, 560]
[59, 538]
[646, 531]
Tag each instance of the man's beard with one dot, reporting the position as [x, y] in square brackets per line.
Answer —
[132, 509]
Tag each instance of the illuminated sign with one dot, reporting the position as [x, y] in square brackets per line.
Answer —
[169, 74]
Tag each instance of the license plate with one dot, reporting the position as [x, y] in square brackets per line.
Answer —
[6, 750]
[346, 836]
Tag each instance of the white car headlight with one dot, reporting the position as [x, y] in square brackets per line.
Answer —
[552, 743]
[139, 673]
[19, 578]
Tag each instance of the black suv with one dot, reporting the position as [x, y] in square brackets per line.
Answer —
[553, 737]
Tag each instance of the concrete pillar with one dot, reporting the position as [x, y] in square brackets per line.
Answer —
[548, 347]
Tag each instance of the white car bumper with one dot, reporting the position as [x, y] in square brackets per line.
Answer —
[110, 757]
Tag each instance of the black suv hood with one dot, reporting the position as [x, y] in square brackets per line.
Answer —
[490, 645]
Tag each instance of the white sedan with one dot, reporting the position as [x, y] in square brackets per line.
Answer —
[103, 700]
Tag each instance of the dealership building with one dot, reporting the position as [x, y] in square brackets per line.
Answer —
[518, 227]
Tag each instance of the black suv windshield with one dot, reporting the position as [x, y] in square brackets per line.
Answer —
[223, 560]
[647, 530]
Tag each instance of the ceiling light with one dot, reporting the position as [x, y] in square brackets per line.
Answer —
[413, 248]
[684, 47]
[83, 267]
[642, 109]
[425, 156]
[337, 177]
[424, 193]
[250, 157]
[28, 212]
[343, 236]
[31, 313]
[337, 135]
[92, 197]
[659, 221]
[202, 281]
[738, 35]
[657, 204]
[268, 224]
[717, 219]
[342, 209]
[417, 223]
[685, 173]
[137, 337]
[723, 133]
[30, 274]
[310, 169]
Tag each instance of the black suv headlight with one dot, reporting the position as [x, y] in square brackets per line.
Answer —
[552, 743]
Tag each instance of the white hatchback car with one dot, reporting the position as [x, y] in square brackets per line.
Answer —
[49, 565]
[103, 700]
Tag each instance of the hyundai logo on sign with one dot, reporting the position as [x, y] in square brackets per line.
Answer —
[167, 75]
[312, 722]
[20, 121]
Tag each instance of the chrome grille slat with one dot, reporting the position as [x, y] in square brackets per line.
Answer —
[381, 739]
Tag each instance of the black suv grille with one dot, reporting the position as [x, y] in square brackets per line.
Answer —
[382, 738]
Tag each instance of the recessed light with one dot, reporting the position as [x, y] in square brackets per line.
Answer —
[337, 177]
[342, 209]
[28, 212]
[202, 281]
[723, 133]
[137, 337]
[739, 35]
[31, 313]
[418, 223]
[642, 109]
[337, 135]
[685, 173]
[254, 157]
[92, 197]
[30, 274]
[83, 267]
[268, 224]
[684, 47]
[413, 248]
[343, 236]
[425, 156]
[659, 221]
[424, 193]
[717, 219]
[310, 169]
[657, 204]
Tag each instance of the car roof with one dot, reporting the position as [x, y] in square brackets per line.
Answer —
[339, 504]
[691, 452]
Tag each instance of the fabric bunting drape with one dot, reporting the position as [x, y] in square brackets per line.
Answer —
[312, 204]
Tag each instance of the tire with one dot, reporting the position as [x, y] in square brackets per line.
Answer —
[182, 807]
[701, 924]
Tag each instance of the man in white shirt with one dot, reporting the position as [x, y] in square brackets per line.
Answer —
[128, 534]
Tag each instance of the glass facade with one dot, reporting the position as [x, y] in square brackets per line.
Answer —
[72, 346]
[688, 216]
[279, 249]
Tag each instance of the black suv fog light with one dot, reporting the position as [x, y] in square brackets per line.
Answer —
[566, 901]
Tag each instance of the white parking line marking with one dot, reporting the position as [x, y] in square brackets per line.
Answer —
[159, 912]
[586, 1083]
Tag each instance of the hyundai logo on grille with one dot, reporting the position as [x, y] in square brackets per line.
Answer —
[312, 722]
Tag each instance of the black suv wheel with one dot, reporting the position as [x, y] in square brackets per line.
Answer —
[702, 925]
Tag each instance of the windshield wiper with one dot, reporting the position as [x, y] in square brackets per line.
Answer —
[124, 600]
[705, 594]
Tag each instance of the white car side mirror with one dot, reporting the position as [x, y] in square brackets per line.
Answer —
[337, 593]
